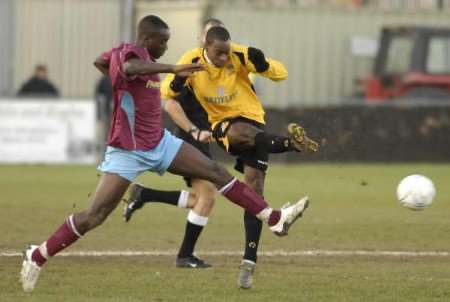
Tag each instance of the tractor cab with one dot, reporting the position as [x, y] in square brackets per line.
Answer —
[412, 62]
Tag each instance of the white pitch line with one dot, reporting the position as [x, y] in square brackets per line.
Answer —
[276, 253]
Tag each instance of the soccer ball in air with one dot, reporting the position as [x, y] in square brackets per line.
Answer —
[416, 192]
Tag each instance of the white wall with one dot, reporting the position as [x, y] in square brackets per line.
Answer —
[315, 46]
[67, 36]
[7, 46]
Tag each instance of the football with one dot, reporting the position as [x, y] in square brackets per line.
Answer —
[416, 192]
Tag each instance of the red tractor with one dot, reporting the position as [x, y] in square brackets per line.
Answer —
[412, 62]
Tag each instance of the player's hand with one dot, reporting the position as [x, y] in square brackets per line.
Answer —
[203, 136]
[186, 70]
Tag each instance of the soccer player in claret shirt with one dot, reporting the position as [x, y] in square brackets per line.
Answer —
[237, 117]
[192, 127]
[138, 143]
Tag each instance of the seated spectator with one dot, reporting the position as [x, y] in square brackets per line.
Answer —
[38, 85]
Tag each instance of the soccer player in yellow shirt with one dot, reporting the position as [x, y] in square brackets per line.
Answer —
[236, 114]
[225, 91]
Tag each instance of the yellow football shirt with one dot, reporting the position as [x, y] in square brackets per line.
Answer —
[225, 92]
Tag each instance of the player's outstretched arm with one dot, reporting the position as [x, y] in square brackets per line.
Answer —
[172, 85]
[179, 117]
[136, 66]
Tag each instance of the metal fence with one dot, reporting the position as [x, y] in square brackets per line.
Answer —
[313, 38]
[6, 45]
[66, 36]
[317, 46]
[385, 5]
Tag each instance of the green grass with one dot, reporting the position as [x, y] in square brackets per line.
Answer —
[353, 207]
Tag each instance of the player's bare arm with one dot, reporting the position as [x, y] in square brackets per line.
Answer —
[178, 116]
[135, 66]
[102, 65]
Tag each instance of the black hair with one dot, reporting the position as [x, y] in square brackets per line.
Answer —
[151, 24]
[212, 20]
[217, 33]
[40, 67]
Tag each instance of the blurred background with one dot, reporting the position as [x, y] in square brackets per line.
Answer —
[370, 79]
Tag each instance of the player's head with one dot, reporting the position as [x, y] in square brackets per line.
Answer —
[211, 22]
[153, 34]
[40, 71]
[217, 45]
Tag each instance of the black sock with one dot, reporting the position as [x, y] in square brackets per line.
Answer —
[253, 227]
[191, 235]
[273, 143]
[151, 195]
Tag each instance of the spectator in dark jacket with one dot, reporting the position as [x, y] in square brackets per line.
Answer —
[38, 85]
[104, 105]
[104, 98]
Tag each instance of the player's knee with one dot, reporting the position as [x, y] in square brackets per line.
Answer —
[205, 205]
[208, 197]
[211, 192]
[206, 194]
[241, 135]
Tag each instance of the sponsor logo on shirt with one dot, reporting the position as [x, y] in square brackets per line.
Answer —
[220, 99]
[152, 84]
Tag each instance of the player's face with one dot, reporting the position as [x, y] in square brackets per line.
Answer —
[219, 52]
[41, 73]
[157, 43]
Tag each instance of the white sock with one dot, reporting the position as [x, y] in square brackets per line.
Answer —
[197, 219]
[264, 214]
[248, 261]
[43, 249]
[183, 199]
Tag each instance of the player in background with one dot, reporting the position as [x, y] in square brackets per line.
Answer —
[227, 94]
[194, 128]
[138, 143]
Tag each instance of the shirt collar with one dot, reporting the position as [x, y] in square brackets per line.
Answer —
[208, 60]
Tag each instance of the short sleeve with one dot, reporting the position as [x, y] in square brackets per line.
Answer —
[129, 53]
[106, 56]
[125, 55]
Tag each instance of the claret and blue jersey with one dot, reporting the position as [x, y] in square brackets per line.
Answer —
[136, 119]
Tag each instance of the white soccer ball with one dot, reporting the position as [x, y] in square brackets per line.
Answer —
[416, 192]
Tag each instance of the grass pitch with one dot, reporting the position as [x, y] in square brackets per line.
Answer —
[353, 207]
